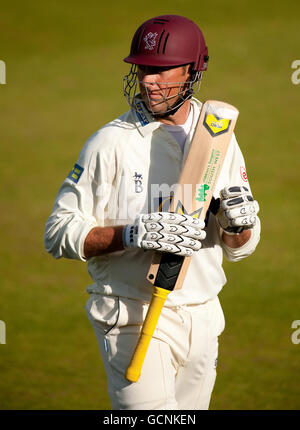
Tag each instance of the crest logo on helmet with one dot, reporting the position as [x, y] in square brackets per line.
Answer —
[150, 40]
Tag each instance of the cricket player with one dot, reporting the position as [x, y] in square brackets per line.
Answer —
[112, 212]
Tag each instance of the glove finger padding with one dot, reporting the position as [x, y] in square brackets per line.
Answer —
[237, 210]
[167, 247]
[173, 239]
[246, 221]
[250, 208]
[165, 231]
[236, 201]
[175, 229]
[230, 192]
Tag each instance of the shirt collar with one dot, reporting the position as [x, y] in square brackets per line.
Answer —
[143, 120]
[146, 123]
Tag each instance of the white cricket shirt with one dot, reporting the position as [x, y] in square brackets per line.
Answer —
[180, 132]
[125, 168]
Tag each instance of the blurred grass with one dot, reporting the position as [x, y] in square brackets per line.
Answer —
[64, 69]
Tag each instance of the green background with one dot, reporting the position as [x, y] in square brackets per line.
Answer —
[64, 81]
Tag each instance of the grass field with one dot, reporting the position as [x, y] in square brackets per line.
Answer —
[63, 81]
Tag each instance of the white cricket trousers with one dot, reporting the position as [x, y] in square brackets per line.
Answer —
[179, 370]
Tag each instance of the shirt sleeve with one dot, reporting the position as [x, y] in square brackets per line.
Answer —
[238, 176]
[74, 211]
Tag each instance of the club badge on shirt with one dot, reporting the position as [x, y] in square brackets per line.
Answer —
[138, 178]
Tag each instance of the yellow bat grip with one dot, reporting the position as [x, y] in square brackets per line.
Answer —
[159, 296]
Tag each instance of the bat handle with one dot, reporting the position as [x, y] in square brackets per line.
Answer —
[159, 296]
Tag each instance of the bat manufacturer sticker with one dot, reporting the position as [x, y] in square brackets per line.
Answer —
[216, 125]
[202, 193]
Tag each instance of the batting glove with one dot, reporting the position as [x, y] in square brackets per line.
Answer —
[238, 210]
[166, 232]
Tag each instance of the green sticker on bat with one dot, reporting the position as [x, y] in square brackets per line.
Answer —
[202, 193]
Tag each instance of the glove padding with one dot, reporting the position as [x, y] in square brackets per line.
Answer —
[166, 232]
[238, 210]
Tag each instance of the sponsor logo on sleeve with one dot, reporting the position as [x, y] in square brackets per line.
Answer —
[243, 174]
[76, 173]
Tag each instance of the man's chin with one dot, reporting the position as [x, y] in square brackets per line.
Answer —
[157, 108]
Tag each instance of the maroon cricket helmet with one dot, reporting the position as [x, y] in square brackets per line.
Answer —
[169, 40]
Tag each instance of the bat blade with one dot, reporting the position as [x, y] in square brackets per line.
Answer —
[197, 182]
[192, 196]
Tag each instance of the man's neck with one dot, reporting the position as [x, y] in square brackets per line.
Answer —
[179, 117]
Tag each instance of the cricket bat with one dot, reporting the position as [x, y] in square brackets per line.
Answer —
[192, 196]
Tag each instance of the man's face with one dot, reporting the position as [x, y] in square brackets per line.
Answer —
[159, 86]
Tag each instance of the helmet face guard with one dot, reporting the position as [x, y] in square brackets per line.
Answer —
[167, 41]
[131, 87]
